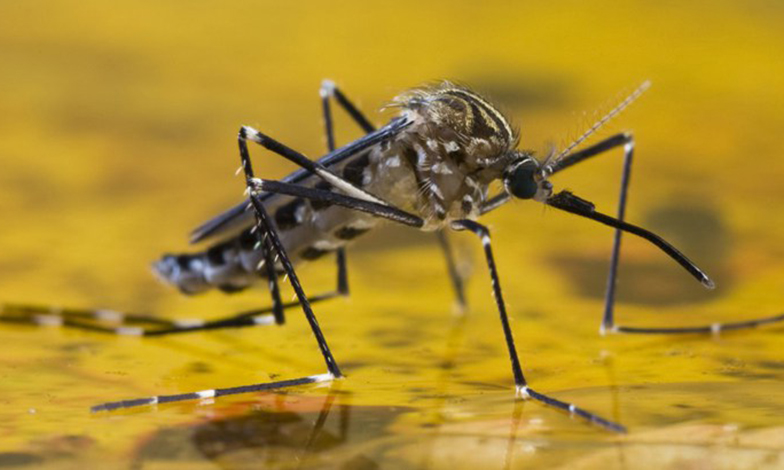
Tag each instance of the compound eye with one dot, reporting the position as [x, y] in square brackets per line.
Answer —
[521, 183]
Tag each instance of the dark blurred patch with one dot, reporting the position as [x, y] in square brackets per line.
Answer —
[697, 231]
[19, 459]
[390, 338]
[774, 365]
[513, 90]
[57, 450]
[748, 375]
[199, 367]
[275, 439]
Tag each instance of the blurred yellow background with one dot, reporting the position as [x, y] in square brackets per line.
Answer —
[118, 126]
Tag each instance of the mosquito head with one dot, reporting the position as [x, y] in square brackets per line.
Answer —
[525, 178]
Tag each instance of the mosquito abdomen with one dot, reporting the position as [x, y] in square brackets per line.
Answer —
[307, 232]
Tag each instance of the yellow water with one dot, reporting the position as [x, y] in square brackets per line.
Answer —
[117, 136]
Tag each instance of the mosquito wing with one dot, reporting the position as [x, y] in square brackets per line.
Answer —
[240, 216]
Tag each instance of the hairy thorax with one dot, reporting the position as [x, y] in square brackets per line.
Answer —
[441, 167]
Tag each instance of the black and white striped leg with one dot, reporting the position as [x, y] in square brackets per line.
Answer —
[379, 210]
[714, 328]
[330, 90]
[608, 324]
[213, 393]
[267, 230]
[265, 245]
[249, 134]
[522, 385]
[131, 324]
[568, 202]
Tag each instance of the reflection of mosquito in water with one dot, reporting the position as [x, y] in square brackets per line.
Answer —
[272, 434]
[429, 168]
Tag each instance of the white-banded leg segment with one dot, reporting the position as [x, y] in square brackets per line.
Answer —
[266, 228]
[330, 90]
[574, 410]
[131, 324]
[263, 244]
[212, 393]
[248, 133]
[714, 329]
[608, 325]
[379, 210]
[522, 388]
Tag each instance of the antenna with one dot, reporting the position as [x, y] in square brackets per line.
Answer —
[601, 122]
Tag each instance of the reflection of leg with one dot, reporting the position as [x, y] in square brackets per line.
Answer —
[322, 419]
[517, 416]
[454, 273]
[522, 385]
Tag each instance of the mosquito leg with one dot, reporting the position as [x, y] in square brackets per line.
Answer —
[129, 324]
[627, 141]
[454, 274]
[218, 392]
[379, 210]
[608, 321]
[266, 230]
[248, 133]
[568, 202]
[272, 276]
[715, 328]
[599, 148]
[328, 90]
[248, 318]
[242, 213]
[265, 225]
[522, 385]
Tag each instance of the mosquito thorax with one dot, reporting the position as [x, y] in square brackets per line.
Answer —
[457, 146]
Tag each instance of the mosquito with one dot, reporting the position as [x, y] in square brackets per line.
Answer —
[430, 168]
